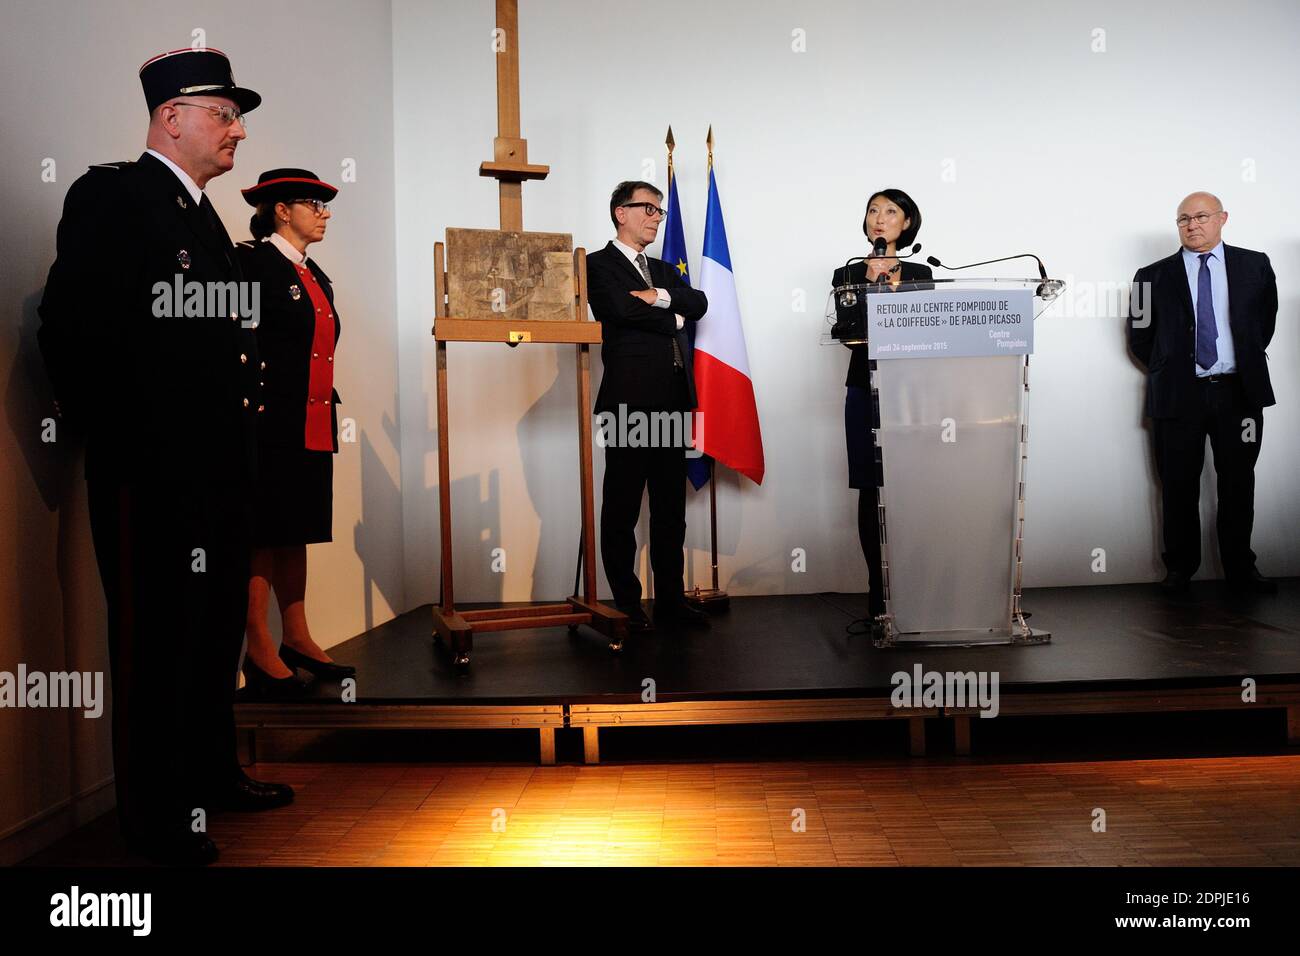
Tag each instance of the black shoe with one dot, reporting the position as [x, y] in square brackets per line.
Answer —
[1252, 582]
[176, 848]
[262, 685]
[323, 670]
[246, 795]
[680, 614]
[637, 621]
[1175, 582]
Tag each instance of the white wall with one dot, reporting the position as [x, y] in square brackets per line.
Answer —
[71, 93]
[1080, 156]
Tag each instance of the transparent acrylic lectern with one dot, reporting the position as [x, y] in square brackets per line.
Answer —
[951, 394]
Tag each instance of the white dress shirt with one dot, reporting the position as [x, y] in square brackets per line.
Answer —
[287, 247]
[664, 301]
[190, 185]
[1219, 293]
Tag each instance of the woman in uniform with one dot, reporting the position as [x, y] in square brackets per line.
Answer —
[893, 216]
[298, 430]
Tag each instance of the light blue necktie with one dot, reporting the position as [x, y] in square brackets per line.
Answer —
[1207, 331]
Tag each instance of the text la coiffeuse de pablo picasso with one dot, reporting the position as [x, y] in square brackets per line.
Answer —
[930, 314]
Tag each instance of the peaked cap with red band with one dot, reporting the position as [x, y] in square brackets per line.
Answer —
[191, 72]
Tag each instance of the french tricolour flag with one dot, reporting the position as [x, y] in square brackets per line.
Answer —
[727, 421]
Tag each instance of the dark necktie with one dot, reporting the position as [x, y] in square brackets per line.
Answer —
[1207, 331]
[644, 266]
[212, 223]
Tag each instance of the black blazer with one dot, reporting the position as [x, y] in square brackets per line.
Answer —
[637, 338]
[165, 398]
[1166, 346]
[284, 338]
[859, 366]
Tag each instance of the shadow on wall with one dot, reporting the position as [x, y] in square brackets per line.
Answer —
[758, 576]
[549, 449]
[379, 532]
[56, 592]
[1154, 247]
[476, 536]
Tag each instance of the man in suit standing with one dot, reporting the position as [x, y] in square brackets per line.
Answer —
[1199, 323]
[147, 339]
[643, 306]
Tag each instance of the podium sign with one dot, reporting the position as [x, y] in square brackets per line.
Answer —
[951, 385]
[951, 323]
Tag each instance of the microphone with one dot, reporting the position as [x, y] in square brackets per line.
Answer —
[848, 299]
[878, 250]
[1047, 288]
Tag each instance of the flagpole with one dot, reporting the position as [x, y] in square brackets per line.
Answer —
[713, 599]
[713, 469]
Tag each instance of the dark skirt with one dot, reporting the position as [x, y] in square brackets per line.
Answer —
[858, 437]
[295, 496]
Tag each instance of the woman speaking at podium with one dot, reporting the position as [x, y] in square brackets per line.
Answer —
[892, 216]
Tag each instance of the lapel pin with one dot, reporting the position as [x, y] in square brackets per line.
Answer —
[180, 201]
[183, 258]
[295, 292]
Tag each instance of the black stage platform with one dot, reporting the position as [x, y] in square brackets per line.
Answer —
[785, 659]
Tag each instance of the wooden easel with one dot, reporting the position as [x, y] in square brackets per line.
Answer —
[510, 167]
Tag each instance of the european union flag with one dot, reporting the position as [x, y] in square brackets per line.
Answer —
[674, 254]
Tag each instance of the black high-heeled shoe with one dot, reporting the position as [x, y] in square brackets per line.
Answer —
[322, 670]
[261, 684]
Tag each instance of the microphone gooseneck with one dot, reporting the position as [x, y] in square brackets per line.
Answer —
[1047, 287]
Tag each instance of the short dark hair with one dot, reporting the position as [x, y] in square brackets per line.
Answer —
[624, 191]
[911, 211]
[263, 222]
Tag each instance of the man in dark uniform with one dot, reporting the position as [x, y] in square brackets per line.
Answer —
[146, 335]
[1200, 333]
[643, 307]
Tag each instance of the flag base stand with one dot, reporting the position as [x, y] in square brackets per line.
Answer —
[709, 600]
[712, 600]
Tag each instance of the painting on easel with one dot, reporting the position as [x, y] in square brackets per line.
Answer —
[494, 274]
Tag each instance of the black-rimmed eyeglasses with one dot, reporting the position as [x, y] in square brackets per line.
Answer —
[650, 208]
[318, 206]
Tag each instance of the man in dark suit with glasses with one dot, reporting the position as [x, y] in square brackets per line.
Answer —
[1199, 323]
[166, 388]
[643, 306]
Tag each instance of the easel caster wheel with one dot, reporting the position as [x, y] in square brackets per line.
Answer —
[462, 660]
[616, 647]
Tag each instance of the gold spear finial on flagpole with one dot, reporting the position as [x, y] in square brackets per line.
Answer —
[709, 141]
[670, 143]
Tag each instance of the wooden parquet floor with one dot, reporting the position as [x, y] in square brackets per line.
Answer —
[1175, 812]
